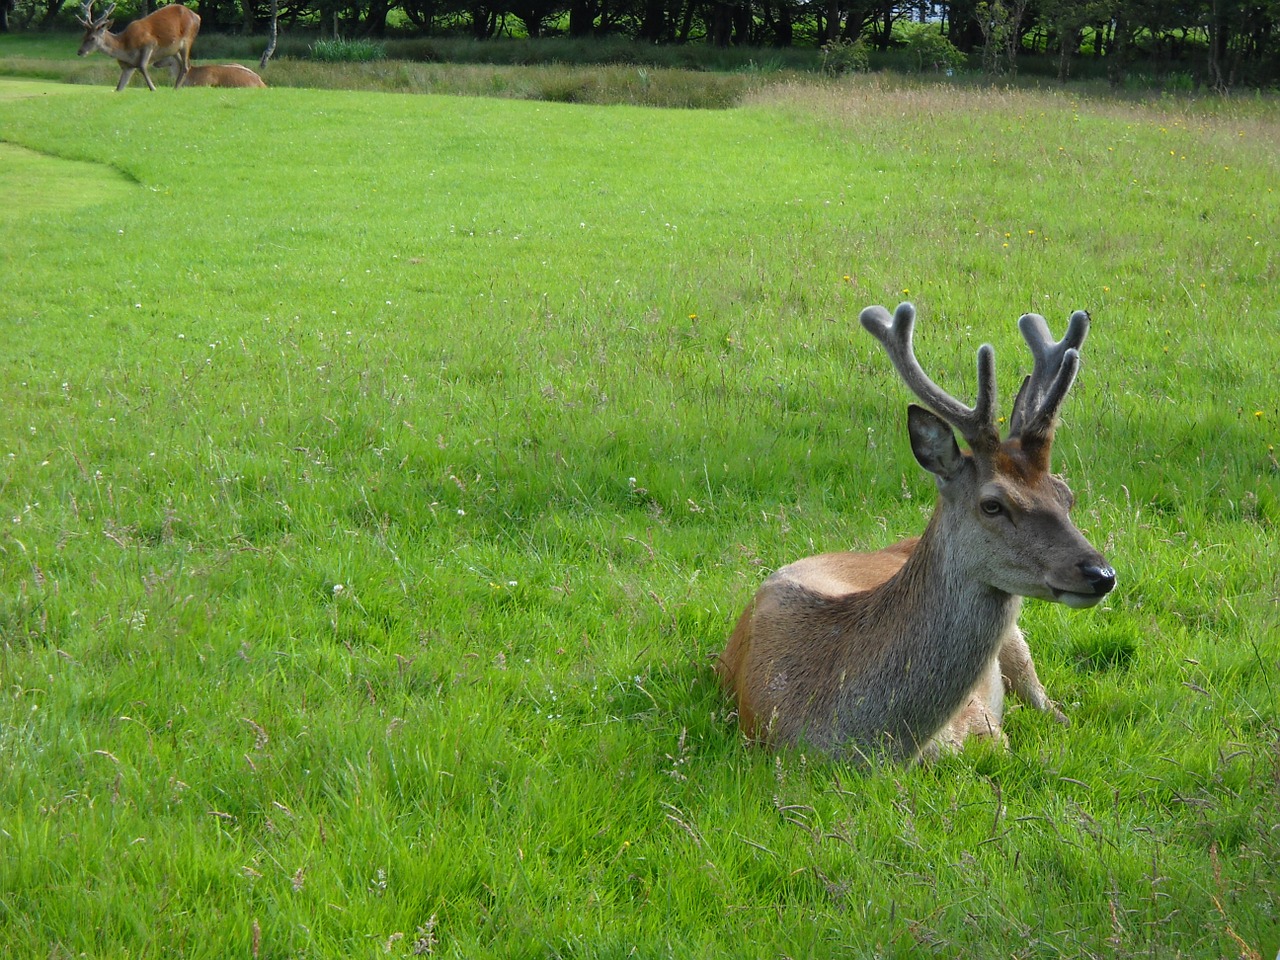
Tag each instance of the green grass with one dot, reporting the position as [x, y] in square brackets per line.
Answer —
[48, 184]
[353, 51]
[333, 622]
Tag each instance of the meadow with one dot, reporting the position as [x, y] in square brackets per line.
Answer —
[380, 475]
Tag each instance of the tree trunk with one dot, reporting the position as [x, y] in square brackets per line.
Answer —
[272, 34]
[1217, 49]
[850, 20]
[1017, 13]
[1118, 53]
[832, 30]
[962, 27]
[721, 25]
[686, 21]
[784, 29]
[582, 18]
[530, 15]
[1104, 38]
[653, 26]
[742, 21]
[1068, 42]
[51, 10]
[375, 24]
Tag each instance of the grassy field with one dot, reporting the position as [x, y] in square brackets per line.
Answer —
[379, 475]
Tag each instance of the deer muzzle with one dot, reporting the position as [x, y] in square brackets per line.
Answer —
[1100, 577]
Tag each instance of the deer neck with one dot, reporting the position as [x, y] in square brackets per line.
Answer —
[947, 626]
[111, 44]
[945, 600]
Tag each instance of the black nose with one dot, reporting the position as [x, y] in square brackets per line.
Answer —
[1101, 578]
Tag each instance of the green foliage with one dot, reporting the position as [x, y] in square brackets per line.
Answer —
[845, 56]
[378, 485]
[341, 50]
[930, 48]
[1001, 25]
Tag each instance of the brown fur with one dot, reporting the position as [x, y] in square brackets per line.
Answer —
[219, 75]
[169, 32]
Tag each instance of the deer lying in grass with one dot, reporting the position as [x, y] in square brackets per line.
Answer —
[169, 32]
[899, 653]
[214, 75]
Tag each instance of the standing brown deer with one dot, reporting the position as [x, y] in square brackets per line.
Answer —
[212, 75]
[169, 32]
[892, 654]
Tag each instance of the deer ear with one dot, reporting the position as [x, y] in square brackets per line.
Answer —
[934, 443]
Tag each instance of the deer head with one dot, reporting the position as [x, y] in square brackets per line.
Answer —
[1007, 515]
[93, 29]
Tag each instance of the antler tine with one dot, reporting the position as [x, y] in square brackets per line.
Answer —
[977, 423]
[1056, 363]
[88, 20]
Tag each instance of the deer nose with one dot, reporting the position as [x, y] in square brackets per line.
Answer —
[1101, 577]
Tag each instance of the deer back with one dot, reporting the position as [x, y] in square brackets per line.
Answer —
[169, 29]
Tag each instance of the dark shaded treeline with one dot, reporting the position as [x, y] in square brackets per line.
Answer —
[1223, 43]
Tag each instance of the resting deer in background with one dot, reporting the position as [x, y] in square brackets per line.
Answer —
[892, 654]
[169, 32]
[212, 75]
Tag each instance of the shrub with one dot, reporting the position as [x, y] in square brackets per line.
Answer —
[845, 56]
[347, 51]
[930, 50]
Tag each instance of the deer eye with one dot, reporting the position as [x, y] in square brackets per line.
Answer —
[991, 507]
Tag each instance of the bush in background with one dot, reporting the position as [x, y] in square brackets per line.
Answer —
[845, 56]
[347, 51]
[931, 50]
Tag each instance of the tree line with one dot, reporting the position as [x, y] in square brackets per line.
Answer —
[1223, 42]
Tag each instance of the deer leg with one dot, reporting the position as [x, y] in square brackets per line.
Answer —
[1019, 672]
[173, 63]
[980, 717]
[184, 66]
[142, 65]
[126, 74]
[984, 713]
[1011, 670]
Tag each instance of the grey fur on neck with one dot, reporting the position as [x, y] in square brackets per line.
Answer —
[922, 673]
